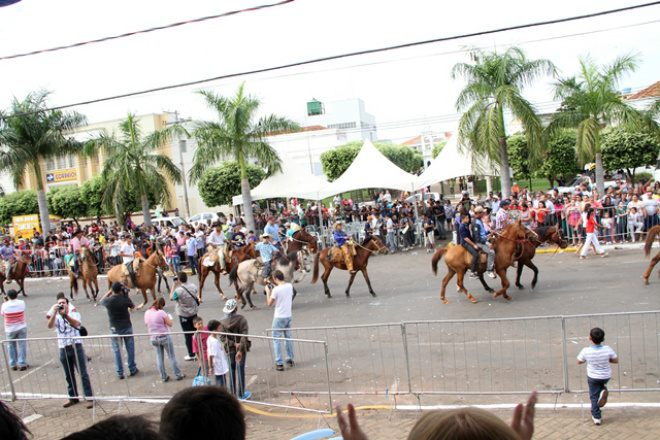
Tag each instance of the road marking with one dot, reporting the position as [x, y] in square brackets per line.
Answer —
[252, 380]
[31, 372]
[32, 418]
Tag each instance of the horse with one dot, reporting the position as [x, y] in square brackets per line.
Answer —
[371, 244]
[89, 275]
[248, 273]
[544, 234]
[146, 279]
[508, 248]
[300, 239]
[650, 238]
[238, 255]
[18, 273]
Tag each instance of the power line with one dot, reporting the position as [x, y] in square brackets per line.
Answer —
[146, 31]
[346, 55]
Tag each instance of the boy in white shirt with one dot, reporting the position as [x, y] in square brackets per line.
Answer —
[218, 365]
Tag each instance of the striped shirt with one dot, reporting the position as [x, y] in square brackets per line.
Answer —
[14, 313]
[598, 361]
[69, 335]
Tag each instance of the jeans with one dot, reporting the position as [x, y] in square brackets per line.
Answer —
[221, 380]
[164, 344]
[475, 255]
[595, 387]
[266, 271]
[440, 224]
[187, 326]
[200, 252]
[282, 323]
[71, 359]
[129, 343]
[192, 259]
[237, 373]
[22, 347]
[390, 240]
[176, 263]
[76, 265]
[491, 255]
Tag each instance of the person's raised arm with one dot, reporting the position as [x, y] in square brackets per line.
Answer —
[523, 417]
[350, 429]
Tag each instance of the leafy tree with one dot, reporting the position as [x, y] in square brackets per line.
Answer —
[519, 156]
[92, 191]
[559, 161]
[134, 168]
[336, 161]
[237, 136]
[219, 184]
[437, 148]
[626, 150]
[18, 203]
[30, 135]
[494, 85]
[67, 202]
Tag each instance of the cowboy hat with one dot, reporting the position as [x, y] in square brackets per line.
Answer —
[337, 223]
[266, 236]
[479, 209]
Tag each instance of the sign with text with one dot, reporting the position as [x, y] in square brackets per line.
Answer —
[62, 176]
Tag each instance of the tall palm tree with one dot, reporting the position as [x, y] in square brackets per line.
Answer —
[494, 85]
[237, 135]
[133, 163]
[591, 102]
[30, 134]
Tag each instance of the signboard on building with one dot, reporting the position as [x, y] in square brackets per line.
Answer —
[25, 225]
[62, 176]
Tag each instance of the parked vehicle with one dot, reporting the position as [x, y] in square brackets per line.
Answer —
[205, 218]
[168, 222]
[427, 196]
[588, 183]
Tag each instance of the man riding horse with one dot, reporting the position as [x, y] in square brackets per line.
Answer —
[7, 254]
[76, 245]
[217, 244]
[481, 240]
[345, 243]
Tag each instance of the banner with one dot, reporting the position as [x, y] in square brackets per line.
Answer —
[25, 225]
[62, 176]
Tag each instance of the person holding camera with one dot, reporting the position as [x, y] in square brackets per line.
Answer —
[118, 305]
[67, 324]
[187, 303]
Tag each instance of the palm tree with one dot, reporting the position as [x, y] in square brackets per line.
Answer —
[237, 135]
[133, 164]
[590, 102]
[494, 85]
[31, 134]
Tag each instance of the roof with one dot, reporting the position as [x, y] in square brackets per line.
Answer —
[652, 91]
[437, 137]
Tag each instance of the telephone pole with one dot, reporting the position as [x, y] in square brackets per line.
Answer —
[182, 146]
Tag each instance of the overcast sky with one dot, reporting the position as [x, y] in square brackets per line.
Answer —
[396, 86]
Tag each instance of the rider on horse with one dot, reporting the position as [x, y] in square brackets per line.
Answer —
[467, 241]
[237, 237]
[481, 240]
[76, 245]
[267, 251]
[345, 243]
[216, 242]
[7, 254]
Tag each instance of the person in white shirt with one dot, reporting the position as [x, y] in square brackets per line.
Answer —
[218, 365]
[15, 328]
[127, 251]
[216, 242]
[281, 296]
[389, 226]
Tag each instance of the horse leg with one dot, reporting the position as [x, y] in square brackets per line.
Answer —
[21, 283]
[324, 278]
[350, 282]
[216, 281]
[519, 273]
[459, 282]
[445, 281]
[294, 293]
[536, 273]
[654, 261]
[144, 296]
[366, 278]
[95, 290]
[248, 290]
[73, 286]
[485, 284]
[505, 284]
[84, 285]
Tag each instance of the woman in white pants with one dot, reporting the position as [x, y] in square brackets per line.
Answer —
[592, 237]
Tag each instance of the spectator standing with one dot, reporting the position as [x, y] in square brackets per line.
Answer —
[389, 226]
[598, 358]
[440, 218]
[191, 252]
[651, 209]
[237, 347]
[67, 324]
[13, 311]
[158, 323]
[118, 306]
[217, 357]
[187, 305]
[281, 296]
[592, 237]
[199, 341]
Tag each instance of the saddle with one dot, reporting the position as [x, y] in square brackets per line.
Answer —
[3, 266]
[335, 255]
[132, 270]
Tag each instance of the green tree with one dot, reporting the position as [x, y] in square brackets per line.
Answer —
[237, 135]
[337, 160]
[591, 102]
[92, 191]
[494, 85]
[219, 184]
[18, 203]
[133, 164]
[437, 149]
[559, 162]
[626, 150]
[519, 156]
[67, 202]
[32, 134]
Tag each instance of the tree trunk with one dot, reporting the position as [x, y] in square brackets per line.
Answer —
[43, 211]
[489, 184]
[146, 215]
[505, 178]
[600, 174]
[247, 205]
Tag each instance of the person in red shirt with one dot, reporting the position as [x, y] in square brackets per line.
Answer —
[592, 237]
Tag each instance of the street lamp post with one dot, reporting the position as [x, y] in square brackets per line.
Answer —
[182, 147]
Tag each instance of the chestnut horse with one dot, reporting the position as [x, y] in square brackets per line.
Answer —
[650, 238]
[302, 238]
[508, 248]
[146, 279]
[89, 275]
[371, 244]
[552, 234]
[18, 274]
[238, 255]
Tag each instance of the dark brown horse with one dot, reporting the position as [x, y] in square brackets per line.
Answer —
[650, 238]
[18, 274]
[545, 234]
[238, 255]
[300, 239]
[370, 245]
[88, 273]
[458, 260]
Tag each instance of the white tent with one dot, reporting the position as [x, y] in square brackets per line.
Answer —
[292, 181]
[452, 163]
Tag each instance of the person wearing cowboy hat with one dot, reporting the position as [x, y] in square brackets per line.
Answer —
[216, 242]
[7, 254]
[267, 250]
[345, 243]
[481, 240]
[76, 245]
[237, 347]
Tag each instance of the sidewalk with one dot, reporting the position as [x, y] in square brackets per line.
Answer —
[53, 422]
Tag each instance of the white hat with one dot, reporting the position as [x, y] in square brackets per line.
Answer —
[230, 306]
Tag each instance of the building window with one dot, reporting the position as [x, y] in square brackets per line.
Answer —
[60, 163]
[343, 125]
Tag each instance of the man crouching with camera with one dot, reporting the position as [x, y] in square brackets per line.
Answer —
[67, 324]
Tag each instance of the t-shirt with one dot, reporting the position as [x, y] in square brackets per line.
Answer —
[201, 338]
[185, 305]
[598, 358]
[216, 350]
[129, 250]
[591, 223]
[651, 205]
[155, 320]
[117, 307]
[14, 313]
[283, 296]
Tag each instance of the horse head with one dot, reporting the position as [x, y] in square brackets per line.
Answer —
[304, 236]
[374, 244]
[557, 237]
[160, 260]
[250, 251]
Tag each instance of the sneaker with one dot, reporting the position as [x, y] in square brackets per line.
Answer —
[189, 358]
[604, 254]
[89, 405]
[181, 377]
[279, 367]
[24, 367]
[70, 403]
[166, 379]
[474, 275]
[290, 363]
[121, 377]
[596, 421]
[491, 274]
[582, 257]
[246, 396]
[14, 367]
[602, 400]
[133, 373]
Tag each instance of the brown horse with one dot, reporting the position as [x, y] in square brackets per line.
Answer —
[146, 279]
[18, 273]
[552, 234]
[508, 247]
[238, 255]
[300, 239]
[89, 275]
[370, 245]
[650, 238]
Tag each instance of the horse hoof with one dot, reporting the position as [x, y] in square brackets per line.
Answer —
[139, 307]
[446, 301]
[347, 294]
[242, 306]
[507, 297]
[496, 294]
[224, 298]
[253, 307]
[646, 282]
[329, 296]
[474, 301]
[491, 291]
[373, 294]
[521, 287]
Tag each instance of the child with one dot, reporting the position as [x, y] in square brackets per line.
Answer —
[218, 366]
[201, 340]
[428, 226]
[598, 358]
[466, 240]
[606, 226]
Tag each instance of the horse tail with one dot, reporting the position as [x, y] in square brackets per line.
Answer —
[650, 238]
[315, 276]
[233, 275]
[437, 257]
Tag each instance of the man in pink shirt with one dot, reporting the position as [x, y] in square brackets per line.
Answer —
[15, 328]
[76, 245]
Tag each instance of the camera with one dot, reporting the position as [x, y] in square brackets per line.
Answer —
[175, 278]
[60, 307]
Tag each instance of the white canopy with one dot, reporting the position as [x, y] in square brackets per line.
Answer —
[292, 181]
[452, 163]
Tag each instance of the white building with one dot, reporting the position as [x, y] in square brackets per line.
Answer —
[347, 116]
